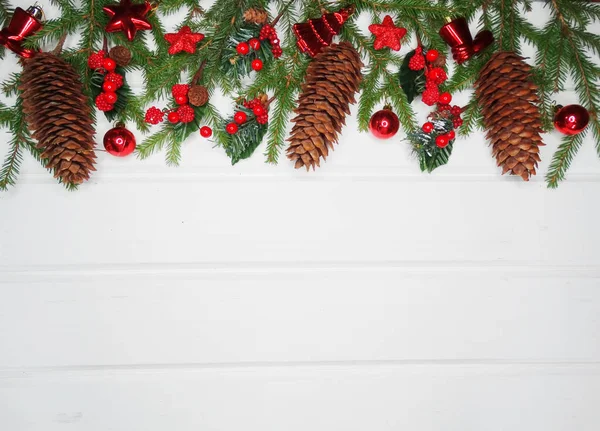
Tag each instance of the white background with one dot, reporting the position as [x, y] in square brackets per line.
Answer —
[364, 296]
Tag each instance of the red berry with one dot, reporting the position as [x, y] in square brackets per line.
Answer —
[95, 60]
[186, 114]
[456, 110]
[428, 127]
[451, 135]
[266, 32]
[257, 64]
[259, 110]
[430, 96]
[416, 62]
[109, 86]
[115, 78]
[263, 119]
[254, 44]
[111, 98]
[432, 55]
[240, 117]
[102, 104]
[243, 48]
[109, 64]
[437, 75]
[180, 90]
[457, 123]
[232, 128]
[443, 107]
[445, 98]
[181, 100]
[154, 116]
[205, 132]
[173, 117]
[441, 141]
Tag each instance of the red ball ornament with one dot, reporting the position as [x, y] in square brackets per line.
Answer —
[232, 128]
[243, 48]
[181, 100]
[571, 119]
[254, 44]
[257, 64]
[240, 117]
[384, 124]
[441, 141]
[173, 117]
[445, 98]
[111, 97]
[205, 132]
[428, 127]
[109, 86]
[119, 141]
[259, 110]
[109, 64]
[432, 55]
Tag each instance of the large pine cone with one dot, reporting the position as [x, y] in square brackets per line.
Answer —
[57, 111]
[332, 80]
[509, 100]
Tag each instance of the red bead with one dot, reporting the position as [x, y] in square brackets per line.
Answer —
[186, 114]
[432, 55]
[115, 78]
[257, 64]
[111, 97]
[456, 110]
[173, 117]
[259, 110]
[181, 100]
[254, 44]
[102, 104]
[240, 117]
[416, 62]
[154, 116]
[95, 60]
[119, 142]
[109, 86]
[180, 90]
[437, 75]
[451, 135]
[243, 48]
[441, 141]
[232, 128]
[205, 132]
[384, 124]
[428, 127]
[571, 119]
[109, 64]
[445, 98]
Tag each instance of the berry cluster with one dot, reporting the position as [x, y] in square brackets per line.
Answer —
[444, 111]
[112, 81]
[184, 113]
[268, 32]
[243, 48]
[259, 110]
[434, 75]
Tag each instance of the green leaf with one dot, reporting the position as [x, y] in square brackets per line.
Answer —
[411, 81]
[242, 144]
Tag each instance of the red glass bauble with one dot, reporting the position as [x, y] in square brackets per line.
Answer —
[571, 119]
[119, 141]
[384, 124]
[23, 24]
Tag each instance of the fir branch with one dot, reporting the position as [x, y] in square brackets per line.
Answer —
[562, 159]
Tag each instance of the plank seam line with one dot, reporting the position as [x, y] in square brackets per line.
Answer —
[305, 364]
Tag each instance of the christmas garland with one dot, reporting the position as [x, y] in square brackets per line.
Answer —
[305, 62]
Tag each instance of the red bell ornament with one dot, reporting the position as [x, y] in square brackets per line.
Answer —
[23, 24]
[318, 33]
[571, 119]
[457, 35]
[119, 141]
[384, 124]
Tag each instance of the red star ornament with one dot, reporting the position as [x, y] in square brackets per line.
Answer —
[128, 18]
[184, 40]
[387, 34]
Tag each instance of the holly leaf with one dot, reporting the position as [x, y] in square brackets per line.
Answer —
[411, 81]
[430, 155]
[242, 144]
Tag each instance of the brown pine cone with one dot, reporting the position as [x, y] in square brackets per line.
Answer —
[198, 95]
[57, 112]
[121, 54]
[256, 16]
[332, 79]
[509, 100]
